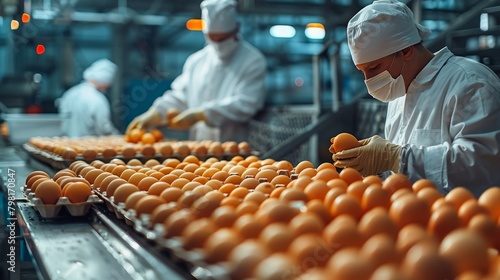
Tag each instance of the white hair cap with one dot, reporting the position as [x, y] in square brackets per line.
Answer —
[102, 71]
[219, 16]
[382, 28]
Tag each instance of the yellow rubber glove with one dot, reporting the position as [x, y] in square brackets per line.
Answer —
[148, 119]
[187, 118]
[376, 155]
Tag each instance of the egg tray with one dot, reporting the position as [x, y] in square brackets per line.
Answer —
[53, 211]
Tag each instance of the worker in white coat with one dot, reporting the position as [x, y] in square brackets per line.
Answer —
[87, 106]
[443, 117]
[221, 86]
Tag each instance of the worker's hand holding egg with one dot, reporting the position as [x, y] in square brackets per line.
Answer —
[373, 156]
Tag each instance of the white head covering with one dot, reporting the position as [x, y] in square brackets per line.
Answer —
[219, 16]
[382, 28]
[102, 71]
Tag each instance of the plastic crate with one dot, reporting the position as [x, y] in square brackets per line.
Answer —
[24, 126]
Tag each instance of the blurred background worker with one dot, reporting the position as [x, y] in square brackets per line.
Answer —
[443, 118]
[221, 86]
[87, 105]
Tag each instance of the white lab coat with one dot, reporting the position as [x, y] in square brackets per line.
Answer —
[89, 112]
[230, 92]
[449, 124]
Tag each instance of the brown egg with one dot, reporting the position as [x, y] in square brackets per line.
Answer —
[187, 199]
[245, 257]
[147, 204]
[300, 183]
[303, 165]
[490, 199]
[376, 221]
[346, 204]
[306, 223]
[372, 180]
[276, 266]
[429, 195]
[157, 188]
[396, 182]
[350, 175]
[276, 193]
[380, 249]
[279, 212]
[132, 199]
[422, 184]
[342, 232]
[317, 208]
[337, 183]
[347, 264]
[316, 190]
[34, 173]
[113, 185]
[345, 141]
[196, 233]
[106, 181]
[219, 245]
[64, 172]
[467, 251]
[250, 172]
[290, 195]
[77, 192]
[374, 196]
[311, 250]
[162, 212]
[486, 227]
[248, 227]
[326, 174]
[169, 178]
[469, 209]
[331, 195]
[92, 175]
[239, 192]
[458, 196]
[284, 165]
[204, 207]
[48, 191]
[224, 216]
[123, 191]
[176, 222]
[443, 221]
[255, 197]
[231, 201]
[33, 179]
[409, 209]
[86, 169]
[264, 188]
[411, 235]
[277, 237]
[98, 180]
[424, 262]
[388, 272]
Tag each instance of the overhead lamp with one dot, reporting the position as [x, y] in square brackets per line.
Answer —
[14, 24]
[25, 18]
[282, 31]
[315, 31]
[195, 24]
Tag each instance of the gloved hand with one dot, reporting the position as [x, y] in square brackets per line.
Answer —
[187, 118]
[376, 155]
[149, 118]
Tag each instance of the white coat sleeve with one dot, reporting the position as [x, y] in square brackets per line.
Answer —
[177, 95]
[472, 157]
[102, 124]
[248, 97]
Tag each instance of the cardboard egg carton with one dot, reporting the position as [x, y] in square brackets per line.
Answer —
[53, 210]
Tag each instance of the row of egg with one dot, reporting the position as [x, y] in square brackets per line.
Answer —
[111, 146]
[269, 218]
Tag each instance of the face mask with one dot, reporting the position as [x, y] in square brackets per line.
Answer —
[384, 87]
[225, 48]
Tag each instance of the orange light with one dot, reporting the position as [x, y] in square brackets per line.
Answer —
[25, 18]
[315, 25]
[40, 49]
[195, 24]
[14, 24]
